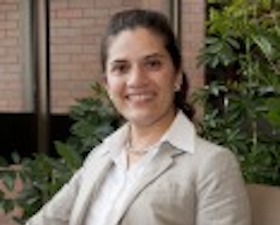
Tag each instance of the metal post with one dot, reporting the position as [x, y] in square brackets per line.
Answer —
[28, 63]
[41, 39]
[175, 17]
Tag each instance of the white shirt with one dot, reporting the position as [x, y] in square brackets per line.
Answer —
[120, 180]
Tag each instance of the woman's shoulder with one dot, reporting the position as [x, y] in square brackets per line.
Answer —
[213, 154]
[96, 153]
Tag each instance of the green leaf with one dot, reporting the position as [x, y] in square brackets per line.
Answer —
[234, 43]
[9, 180]
[8, 205]
[214, 48]
[72, 158]
[273, 114]
[3, 162]
[15, 157]
[2, 196]
[264, 44]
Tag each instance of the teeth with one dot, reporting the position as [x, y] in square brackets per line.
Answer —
[140, 97]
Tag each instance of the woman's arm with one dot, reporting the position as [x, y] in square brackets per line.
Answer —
[222, 196]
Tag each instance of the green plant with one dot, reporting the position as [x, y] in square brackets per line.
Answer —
[242, 97]
[41, 177]
[94, 118]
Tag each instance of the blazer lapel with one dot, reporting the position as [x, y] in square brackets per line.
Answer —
[161, 162]
[92, 179]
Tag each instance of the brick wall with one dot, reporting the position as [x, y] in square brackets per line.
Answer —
[76, 29]
[11, 80]
[193, 30]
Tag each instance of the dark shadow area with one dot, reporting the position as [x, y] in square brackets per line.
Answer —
[18, 132]
[59, 130]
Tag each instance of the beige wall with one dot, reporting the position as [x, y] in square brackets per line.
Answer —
[11, 77]
[76, 28]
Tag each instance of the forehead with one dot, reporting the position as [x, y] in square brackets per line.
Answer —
[135, 43]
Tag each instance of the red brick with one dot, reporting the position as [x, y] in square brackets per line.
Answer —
[108, 4]
[64, 32]
[9, 59]
[2, 51]
[82, 4]
[59, 22]
[13, 68]
[93, 13]
[54, 5]
[60, 49]
[69, 13]
[9, 7]
[91, 49]
[60, 75]
[10, 1]
[9, 42]
[8, 25]
[13, 33]
[13, 15]
[13, 51]
[58, 40]
[132, 3]
[57, 59]
[66, 67]
[53, 15]
[2, 34]
[81, 22]
[2, 16]
[86, 58]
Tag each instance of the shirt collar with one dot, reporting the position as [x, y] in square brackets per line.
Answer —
[116, 141]
[181, 134]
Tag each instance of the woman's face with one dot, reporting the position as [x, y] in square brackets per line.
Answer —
[140, 76]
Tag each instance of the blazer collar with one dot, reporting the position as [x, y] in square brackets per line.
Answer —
[181, 134]
[94, 172]
[162, 162]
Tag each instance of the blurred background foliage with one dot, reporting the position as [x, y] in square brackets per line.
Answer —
[43, 175]
[241, 101]
[242, 95]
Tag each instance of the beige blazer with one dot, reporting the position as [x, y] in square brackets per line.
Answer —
[179, 188]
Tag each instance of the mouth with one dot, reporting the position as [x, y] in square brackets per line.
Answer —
[140, 97]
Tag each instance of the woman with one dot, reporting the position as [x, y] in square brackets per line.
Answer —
[154, 169]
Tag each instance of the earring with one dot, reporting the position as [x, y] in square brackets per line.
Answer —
[177, 87]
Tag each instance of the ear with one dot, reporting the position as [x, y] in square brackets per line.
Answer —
[104, 82]
[178, 80]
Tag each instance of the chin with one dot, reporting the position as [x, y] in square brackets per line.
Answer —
[140, 118]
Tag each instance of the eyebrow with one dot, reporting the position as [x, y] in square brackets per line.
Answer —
[117, 61]
[153, 55]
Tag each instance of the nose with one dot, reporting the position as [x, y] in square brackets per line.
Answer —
[137, 77]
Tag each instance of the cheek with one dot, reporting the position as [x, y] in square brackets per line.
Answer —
[114, 87]
[167, 83]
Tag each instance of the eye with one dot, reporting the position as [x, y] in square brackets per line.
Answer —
[153, 64]
[120, 68]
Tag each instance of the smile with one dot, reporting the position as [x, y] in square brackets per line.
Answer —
[141, 97]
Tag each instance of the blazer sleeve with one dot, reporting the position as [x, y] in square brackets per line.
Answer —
[222, 196]
[57, 211]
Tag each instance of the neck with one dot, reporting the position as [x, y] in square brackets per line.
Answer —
[145, 136]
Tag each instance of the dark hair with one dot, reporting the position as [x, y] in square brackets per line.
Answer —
[157, 23]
